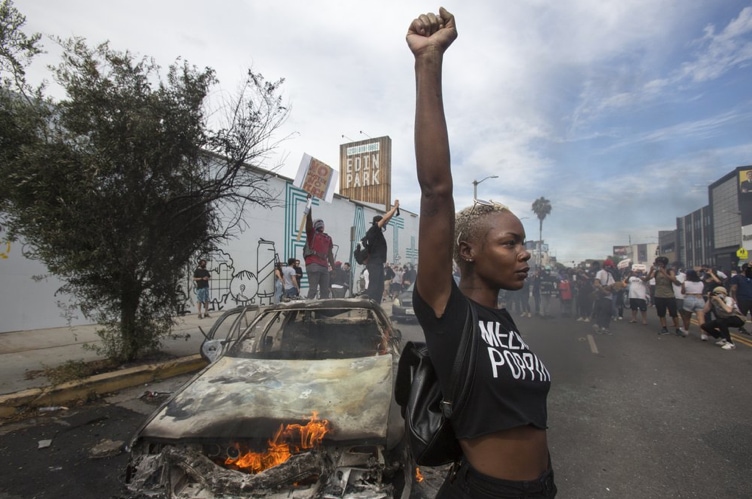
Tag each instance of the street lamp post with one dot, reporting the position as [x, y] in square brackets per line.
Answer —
[475, 185]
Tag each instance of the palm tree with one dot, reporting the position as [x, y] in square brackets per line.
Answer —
[541, 208]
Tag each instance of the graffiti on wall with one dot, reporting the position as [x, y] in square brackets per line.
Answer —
[232, 286]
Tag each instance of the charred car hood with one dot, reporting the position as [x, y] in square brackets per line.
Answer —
[250, 398]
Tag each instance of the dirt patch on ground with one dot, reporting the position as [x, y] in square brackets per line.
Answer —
[75, 370]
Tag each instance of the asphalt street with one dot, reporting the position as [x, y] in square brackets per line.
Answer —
[631, 415]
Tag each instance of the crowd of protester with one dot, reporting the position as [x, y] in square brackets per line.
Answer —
[719, 301]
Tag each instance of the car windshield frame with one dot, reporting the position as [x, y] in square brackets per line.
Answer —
[314, 334]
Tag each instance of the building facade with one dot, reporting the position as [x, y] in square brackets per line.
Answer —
[241, 270]
[694, 235]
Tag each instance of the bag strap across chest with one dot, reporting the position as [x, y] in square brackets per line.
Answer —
[463, 368]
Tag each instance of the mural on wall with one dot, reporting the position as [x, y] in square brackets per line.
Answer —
[230, 287]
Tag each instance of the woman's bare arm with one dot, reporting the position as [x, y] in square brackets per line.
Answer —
[428, 37]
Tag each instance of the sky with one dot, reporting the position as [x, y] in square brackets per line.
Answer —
[620, 113]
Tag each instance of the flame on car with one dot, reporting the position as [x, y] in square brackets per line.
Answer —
[288, 440]
[418, 475]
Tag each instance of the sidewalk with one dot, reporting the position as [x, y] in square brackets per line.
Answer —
[24, 351]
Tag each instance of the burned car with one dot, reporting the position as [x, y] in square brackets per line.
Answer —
[299, 403]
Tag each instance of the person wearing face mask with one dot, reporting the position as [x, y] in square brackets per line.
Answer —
[201, 277]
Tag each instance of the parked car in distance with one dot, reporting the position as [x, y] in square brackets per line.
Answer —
[402, 306]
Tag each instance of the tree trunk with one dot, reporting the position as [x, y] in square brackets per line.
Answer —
[540, 244]
[129, 322]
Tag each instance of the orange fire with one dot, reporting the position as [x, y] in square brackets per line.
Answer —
[288, 440]
[418, 475]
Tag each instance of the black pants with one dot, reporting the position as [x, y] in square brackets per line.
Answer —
[603, 309]
[466, 483]
[375, 281]
[720, 327]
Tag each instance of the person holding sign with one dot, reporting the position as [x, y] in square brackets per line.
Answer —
[319, 259]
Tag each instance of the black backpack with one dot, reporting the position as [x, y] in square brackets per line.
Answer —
[361, 252]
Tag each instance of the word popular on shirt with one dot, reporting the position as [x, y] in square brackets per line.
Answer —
[506, 349]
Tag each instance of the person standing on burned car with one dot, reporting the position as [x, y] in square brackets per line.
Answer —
[319, 258]
[502, 429]
[376, 244]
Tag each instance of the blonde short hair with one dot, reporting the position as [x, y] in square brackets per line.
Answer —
[469, 225]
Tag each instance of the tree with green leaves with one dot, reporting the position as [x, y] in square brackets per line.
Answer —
[541, 208]
[21, 107]
[123, 182]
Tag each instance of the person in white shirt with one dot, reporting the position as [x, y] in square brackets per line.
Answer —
[638, 295]
[692, 288]
[603, 283]
[290, 281]
[680, 277]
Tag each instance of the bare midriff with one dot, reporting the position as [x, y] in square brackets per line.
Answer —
[515, 454]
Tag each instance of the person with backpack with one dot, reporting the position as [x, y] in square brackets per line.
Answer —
[502, 425]
[319, 259]
[375, 242]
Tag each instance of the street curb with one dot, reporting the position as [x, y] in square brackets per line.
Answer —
[65, 393]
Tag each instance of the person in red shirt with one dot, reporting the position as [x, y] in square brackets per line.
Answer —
[319, 258]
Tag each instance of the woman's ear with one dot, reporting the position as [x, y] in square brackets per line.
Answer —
[466, 251]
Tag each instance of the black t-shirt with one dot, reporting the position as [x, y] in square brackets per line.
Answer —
[511, 384]
[201, 273]
[388, 273]
[376, 245]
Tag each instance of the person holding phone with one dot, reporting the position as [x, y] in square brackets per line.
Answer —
[665, 299]
[726, 314]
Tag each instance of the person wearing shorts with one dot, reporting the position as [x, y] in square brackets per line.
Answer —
[665, 299]
[201, 277]
[638, 292]
[692, 288]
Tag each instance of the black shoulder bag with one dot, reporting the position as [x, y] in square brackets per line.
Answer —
[426, 410]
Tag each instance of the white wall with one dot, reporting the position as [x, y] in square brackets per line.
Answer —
[241, 270]
[28, 298]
